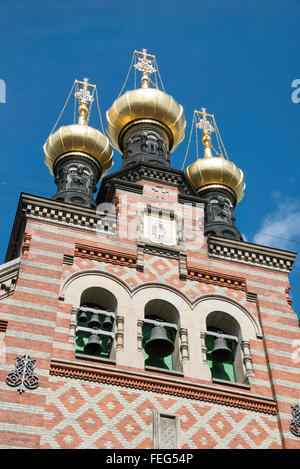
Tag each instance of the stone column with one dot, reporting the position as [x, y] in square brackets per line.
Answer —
[184, 345]
[140, 335]
[247, 359]
[119, 332]
[73, 325]
[128, 340]
[196, 366]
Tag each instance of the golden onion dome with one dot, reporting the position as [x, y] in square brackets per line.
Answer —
[79, 138]
[215, 171]
[146, 104]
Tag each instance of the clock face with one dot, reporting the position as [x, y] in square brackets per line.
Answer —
[160, 230]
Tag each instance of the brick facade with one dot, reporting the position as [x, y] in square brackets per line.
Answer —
[86, 403]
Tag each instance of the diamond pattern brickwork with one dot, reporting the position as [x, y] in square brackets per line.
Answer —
[86, 415]
[162, 270]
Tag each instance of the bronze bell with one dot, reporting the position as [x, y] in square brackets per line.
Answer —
[107, 323]
[221, 352]
[94, 323]
[82, 317]
[159, 345]
[93, 346]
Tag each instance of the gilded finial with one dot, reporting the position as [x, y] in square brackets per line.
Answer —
[145, 65]
[207, 128]
[84, 97]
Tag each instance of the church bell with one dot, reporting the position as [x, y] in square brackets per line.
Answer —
[159, 345]
[107, 323]
[93, 346]
[221, 352]
[82, 317]
[94, 322]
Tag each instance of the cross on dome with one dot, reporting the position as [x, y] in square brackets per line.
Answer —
[204, 123]
[144, 64]
[83, 94]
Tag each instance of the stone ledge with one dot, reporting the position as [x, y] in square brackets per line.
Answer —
[224, 280]
[105, 255]
[162, 385]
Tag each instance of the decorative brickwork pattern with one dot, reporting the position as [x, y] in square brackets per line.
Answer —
[165, 271]
[74, 408]
[86, 415]
[162, 386]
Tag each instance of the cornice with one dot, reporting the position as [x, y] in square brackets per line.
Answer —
[103, 254]
[252, 254]
[9, 273]
[224, 280]
[163, 385]
[118, 184]
[143, 170]
[49, 211]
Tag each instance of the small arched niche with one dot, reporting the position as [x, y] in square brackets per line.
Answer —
[165, 314]
[230, 369]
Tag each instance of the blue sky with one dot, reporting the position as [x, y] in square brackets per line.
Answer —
[238, 59]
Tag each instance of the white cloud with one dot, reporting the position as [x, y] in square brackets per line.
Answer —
[280, 228]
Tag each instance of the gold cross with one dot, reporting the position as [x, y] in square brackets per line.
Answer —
[144, 64]
[83, 94]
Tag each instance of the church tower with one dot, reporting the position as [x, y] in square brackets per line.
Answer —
[140, 318]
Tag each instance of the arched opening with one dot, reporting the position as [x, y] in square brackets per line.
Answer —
[160, 335]
[223, 338]
[99, 296]
[95, 323]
